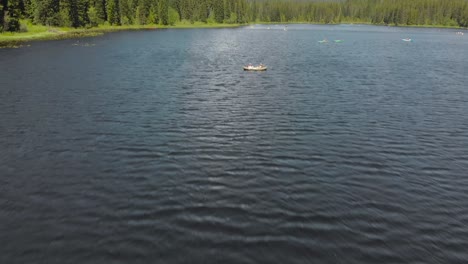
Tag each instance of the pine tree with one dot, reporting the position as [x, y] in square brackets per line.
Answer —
[79, 13]
[113, 14]
[226, 9]
[173, 16]
[126, 12]
[2, 12]
[154, 12]
[219, 11]
[101, 11]
[29, 8]
[94, 20]
[64, 14]
[74, 14]
[11, 16]
[164, 12]
[152, 17]
[47, 12]
[205, 10]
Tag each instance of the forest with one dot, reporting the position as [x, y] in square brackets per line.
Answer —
[91, 13]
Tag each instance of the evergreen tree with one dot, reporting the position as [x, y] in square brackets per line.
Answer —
[47, 12]
[64, 14]
[205, 10]
[94, 19]
[11, 15]
[74, 13]
[154, 12]
[29, 8]
[101, 11]
[163, 12]
[113, 14]
[80, 13]
[219, 11]
[152, 17]
[126, 12]
[2, 12]
[173, 16]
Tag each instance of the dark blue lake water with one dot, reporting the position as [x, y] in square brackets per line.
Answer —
[156, 147]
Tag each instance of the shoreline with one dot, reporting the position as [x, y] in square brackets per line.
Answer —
[44, 33]
[356, 23]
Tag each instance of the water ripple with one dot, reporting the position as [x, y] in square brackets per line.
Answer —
[157, 147]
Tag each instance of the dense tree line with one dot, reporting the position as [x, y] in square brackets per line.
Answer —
[89, 13]
[395, 12]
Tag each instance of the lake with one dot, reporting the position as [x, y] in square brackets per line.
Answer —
[156, 147]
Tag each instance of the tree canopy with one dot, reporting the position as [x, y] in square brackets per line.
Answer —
[88, 13]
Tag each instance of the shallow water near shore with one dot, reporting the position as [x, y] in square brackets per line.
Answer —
[156, 146]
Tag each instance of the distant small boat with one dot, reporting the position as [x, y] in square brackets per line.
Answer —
[338, 40]
[260, 67]
[323, 41]
[406, 39]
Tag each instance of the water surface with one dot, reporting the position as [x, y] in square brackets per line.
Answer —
[155, 147]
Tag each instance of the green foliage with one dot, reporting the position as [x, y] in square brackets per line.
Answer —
[126, 13]
[113, 12]
[138, 20]
[64, 17]
[211, 18]
[23, 28]
[152, 17]
[28, 9]
[173, 16]
[11, 15]
[11, 23]
[81, 13]
[219, 11]
[94, 19]
[142, 12]
[101, 10]
[2, 19]
[163, 12]
[46, 12]
[232, 19]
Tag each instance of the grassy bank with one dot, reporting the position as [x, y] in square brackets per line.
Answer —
[17, 39]
[38, 32]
